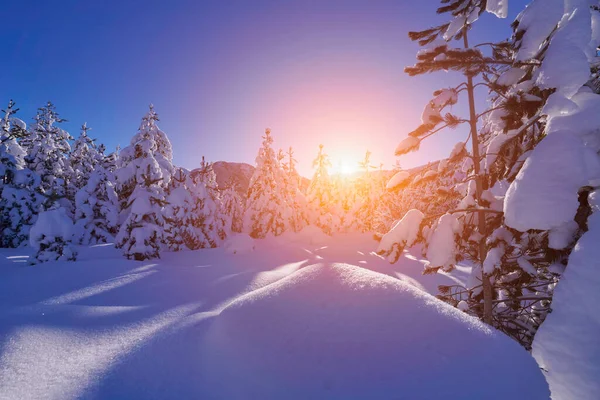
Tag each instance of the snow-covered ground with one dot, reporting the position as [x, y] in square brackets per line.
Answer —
[282, 320]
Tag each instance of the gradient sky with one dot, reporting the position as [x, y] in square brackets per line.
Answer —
[220, 72]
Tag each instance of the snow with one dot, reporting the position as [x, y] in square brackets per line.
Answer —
[538, 20]
[511, 76]
[407, 145]
[493, 259]
[398, 179]
[455, 26]
[442, 249]
[404, 232]
[50, 224]
[239, 244]
[456, 150]
[538, 200]
[310, 234]
[497, 7]
[567, 345]
[562, 236]
[566, 65]
[337, 331]
[107, 327]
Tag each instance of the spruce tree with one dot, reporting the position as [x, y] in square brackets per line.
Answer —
[144, 174]
[267, 211]
[320, 196]
[19, 197]
[48, 150]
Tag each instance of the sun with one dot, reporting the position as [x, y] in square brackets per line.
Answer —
[344, 168]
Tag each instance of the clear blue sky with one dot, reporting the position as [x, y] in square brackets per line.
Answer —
[219, 72]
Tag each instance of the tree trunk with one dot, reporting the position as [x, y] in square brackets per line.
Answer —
[485, 280]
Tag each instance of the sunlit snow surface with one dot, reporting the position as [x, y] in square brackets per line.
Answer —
[283, 321]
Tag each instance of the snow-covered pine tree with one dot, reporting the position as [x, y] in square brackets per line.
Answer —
[48, 148]
[530, 84]
[85, 156]
[267, 211]
[207, 220]
[320, 196]
[463, 231]
[232, 208]
[19, 198]
[295, 199]
[548, 160]
[97, 204]
[144, 174]
[368, 193]
[178, 215]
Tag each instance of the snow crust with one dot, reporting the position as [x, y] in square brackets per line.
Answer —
[337, 331]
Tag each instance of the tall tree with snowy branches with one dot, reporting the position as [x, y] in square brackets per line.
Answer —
[267, 211]
[20, 199]
[467, 225]
[48, 150]
[144, 174]
[320, 196]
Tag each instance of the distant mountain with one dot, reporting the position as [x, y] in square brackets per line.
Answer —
[240, 173]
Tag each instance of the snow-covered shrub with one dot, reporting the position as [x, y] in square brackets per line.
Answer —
[50, 237]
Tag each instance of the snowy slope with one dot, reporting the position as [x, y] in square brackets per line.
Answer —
[105, 327]
[337, 331]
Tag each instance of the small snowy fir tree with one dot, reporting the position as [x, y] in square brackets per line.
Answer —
[145, 172]
[232, 208]
[208, 220]
[84, 158]
[178, 213]
[267, 211]
[50, 236]
[368, 192]
[295, 199]
[19, 196]
[97, 207]
[320, 196]
[48, 150]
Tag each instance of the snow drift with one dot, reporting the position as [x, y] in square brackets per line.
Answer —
[339, 331]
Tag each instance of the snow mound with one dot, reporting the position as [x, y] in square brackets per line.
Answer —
[50, 225]
[239, 244]
[337, 331]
